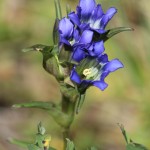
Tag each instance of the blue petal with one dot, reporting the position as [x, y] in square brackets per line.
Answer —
[100, 84]
[65, 28]
[104, 75]
[74, 18]
[97, 13]
[103, 58]
[75, 77]
[78, 54]
[78, 9]
[63, 40]
[99, 48]
[76, 35]
[101, 31]
[86, 37]
[113, 65]
[107, 17]
[87, 6]
[84, 26]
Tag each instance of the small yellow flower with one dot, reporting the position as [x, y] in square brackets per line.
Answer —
[46, 142]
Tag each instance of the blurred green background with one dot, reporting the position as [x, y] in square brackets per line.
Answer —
[22, 78]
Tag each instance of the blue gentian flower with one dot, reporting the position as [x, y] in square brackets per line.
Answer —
[77, 32]
[93, 49]
[92, 72]
[91, 16]
[71, 36]
[81, 44]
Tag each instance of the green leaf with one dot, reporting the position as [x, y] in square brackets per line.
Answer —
[39, 140]
[58, 9]
[35, 104]
[60, 117]
[110, 33]
[70, 145]
[55, 32]
[39, 47]
[135, 146]
[18, 142]
[115, 31]
[123, 132]
[64, 55]
[130, 144]
[41, 129]
[80, 103]
[33, 147]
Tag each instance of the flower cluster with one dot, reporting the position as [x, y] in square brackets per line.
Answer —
[77, 31]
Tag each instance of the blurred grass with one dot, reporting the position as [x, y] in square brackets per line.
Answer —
[22, 77]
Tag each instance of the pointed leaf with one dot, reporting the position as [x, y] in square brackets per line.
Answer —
[18, 142]
[41, 129]
[38, 47]
[58, 9]
[36, 104]
[110, 33]
[130, 144]
[39, 140]
[33, 147]
[115, 31]
[55, 32]
[27, 49]
[133, 146]
[52, 109]
[80, 103]
[123, 132]
[70, 145]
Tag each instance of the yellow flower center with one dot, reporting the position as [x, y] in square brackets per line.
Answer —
[91, 73]
[87, 72]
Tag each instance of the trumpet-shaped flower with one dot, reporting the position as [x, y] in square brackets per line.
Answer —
[78, 33]
[92, 72]
[81, 44]
[91, 16]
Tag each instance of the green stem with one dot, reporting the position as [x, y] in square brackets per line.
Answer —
[68, 107]
[65, 134]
